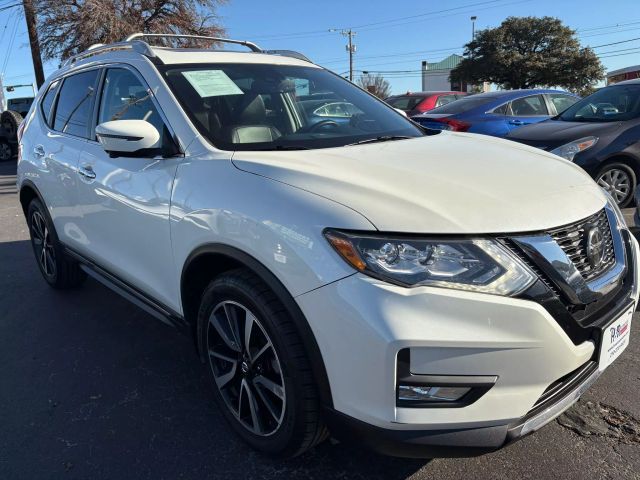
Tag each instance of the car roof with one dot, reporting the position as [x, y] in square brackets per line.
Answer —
[517, 93]
[176, 56]
[425, 94]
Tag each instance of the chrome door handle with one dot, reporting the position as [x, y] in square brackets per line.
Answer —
[87, 172]
[516, 122]
[38, 151]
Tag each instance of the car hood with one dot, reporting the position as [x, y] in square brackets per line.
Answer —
[551, 134]
[452, 183]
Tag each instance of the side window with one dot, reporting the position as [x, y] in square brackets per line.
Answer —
[501, 110]
[529, 106]
[124, 97]
[47, 101]
[562, 102]
[444, 99]
[75, 104]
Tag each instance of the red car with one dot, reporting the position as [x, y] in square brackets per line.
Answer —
[413, 103]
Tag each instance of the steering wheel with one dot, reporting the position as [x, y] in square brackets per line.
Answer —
[321, 123]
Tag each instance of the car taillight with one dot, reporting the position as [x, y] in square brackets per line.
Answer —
[455, 125]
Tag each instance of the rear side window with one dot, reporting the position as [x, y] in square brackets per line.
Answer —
[463, 105]
[501, 110]
[529, 106]
[75, 104]
[405, 102]
[47, 101]
[444, 99]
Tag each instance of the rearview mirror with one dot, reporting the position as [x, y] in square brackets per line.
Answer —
[129, 138]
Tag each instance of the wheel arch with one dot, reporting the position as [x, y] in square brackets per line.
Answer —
[624, 158]
[208, 261]
[28, 191]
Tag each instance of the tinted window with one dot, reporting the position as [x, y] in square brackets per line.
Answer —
[463, 105]
[75, 103]
[610, 104]
[47, 101]
[562, 102]
[271, 107]
[501, 110]
[529, 106]
[124, 97]
[444, 99]
[405, 102]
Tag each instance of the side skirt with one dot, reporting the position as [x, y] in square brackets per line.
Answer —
[135, 296]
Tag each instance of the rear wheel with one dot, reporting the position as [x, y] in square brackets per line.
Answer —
[619, 180]
[11, 120]
[261, 374]
[56, 267]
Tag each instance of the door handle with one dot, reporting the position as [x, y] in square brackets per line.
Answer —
[516, 122]
[38, 151]
[87, 172]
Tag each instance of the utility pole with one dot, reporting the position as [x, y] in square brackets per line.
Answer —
[30, 15]
[473, 28]
[351, 48]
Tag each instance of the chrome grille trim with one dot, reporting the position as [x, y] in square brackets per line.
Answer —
[571, 238]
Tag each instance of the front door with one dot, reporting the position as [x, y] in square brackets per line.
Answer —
[125, 200]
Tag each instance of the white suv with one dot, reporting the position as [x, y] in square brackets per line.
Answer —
[430, 293]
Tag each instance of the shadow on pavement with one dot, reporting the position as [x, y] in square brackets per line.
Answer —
[91, 387]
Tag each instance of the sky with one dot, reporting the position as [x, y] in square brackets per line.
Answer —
[391, 37]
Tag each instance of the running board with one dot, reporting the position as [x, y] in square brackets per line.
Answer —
[149, 305]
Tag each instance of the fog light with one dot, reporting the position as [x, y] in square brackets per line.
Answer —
[427, 393]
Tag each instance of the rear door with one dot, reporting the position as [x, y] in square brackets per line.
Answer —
[125, 200]
[527, 110]
[62, 132]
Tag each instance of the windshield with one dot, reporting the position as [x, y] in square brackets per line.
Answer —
[610, 104]
[272, 107]
[406, 102]
[463, 105]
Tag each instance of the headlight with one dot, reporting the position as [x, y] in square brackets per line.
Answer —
[570, 150]
[480, 265]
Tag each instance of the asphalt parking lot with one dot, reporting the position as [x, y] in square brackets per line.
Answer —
[91, 387]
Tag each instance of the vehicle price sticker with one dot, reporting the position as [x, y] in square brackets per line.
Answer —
[212, 83]
[615, 338]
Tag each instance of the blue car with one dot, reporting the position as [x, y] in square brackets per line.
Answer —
[497, 113]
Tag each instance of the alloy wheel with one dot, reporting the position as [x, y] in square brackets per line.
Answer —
[617, 183]
[246, 368]
[45, 252]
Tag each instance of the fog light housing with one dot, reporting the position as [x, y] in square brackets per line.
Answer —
[427, 393]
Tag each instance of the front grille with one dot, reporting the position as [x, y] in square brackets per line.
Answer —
[572, 239]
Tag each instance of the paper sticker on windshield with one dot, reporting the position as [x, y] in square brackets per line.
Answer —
[212, 83]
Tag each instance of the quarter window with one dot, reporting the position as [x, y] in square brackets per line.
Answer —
[47, 101]
[562, 102]
[529, 106]
[75, 104]
[124, 97]
[444, 99]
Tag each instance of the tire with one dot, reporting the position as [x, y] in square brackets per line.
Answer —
[59, 271]
[11, 120]
[616, 178]
[6, 152]
[279, 387]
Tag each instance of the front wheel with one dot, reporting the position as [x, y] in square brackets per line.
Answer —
[261, 375]
[619, 180]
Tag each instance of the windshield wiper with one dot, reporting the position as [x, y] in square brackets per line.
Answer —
[284, 147]
[382, 138]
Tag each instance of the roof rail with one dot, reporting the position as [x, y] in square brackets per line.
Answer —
[252, 46]
[289, 53]
[96, 49]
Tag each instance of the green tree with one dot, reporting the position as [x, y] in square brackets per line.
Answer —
[528, 52]
[66, 27]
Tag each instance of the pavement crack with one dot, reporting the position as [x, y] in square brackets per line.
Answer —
[601, 420]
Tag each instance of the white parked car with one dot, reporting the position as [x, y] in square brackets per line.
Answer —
[430, 293]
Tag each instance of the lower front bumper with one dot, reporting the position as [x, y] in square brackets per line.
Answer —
[461, 442]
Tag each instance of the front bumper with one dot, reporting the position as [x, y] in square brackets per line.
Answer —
[361, 324]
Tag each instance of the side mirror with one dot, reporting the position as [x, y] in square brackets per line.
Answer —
[401, 112]
[129, 138]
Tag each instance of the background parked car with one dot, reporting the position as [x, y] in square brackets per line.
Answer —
[497, 113]
[9, 123]
[20, 105]
[420, 102]
[601, 133]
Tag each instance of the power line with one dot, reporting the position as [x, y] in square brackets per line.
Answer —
[10, 47]
[616, 43]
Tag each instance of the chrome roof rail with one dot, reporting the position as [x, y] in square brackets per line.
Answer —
[289, 53]
[136, 45]
[252, 46]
